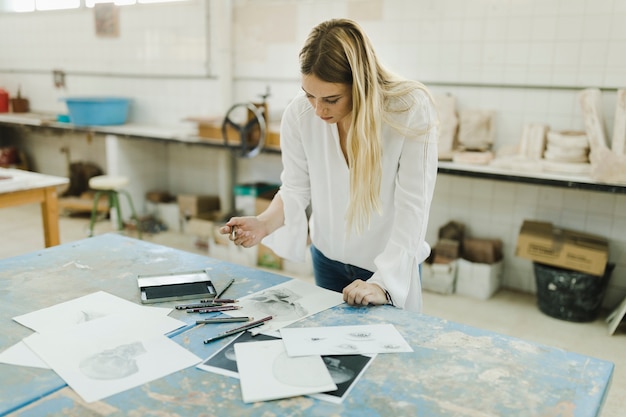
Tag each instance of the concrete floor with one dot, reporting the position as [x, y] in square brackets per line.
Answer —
[507, 312]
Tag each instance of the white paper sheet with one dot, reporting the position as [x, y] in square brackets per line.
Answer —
[80, 310]
[344, 340]
[267, 373]
[21, 355]
[286, 303]
[103, 357]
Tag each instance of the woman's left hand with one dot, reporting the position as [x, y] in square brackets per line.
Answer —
[362, 293]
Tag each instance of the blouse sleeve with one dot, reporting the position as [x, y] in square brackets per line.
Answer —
[397, 267]
[290, 240]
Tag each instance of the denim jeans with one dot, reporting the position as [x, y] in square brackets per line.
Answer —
[335, 275]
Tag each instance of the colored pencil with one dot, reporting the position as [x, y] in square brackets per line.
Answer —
[219, 294]
[224, 320]
[219, 300]
[202, 304]
[212, 309]
[239, 329]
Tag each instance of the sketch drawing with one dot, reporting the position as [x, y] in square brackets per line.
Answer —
[86, 315]
[338, 372]
[115, 363]
[286, 303]
[360, 335]
[345, 370]
[224, 361]
[329, 340]
[281, 303]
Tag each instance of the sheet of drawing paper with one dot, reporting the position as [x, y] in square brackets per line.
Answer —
[286, 303]
[267, 373]
[223, 361]
[20, 354]
[103, 357]
[344, 340]
[82, 309]
[345, 370]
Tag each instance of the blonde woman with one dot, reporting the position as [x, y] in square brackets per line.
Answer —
[359, 148]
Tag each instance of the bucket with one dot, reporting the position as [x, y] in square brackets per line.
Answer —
[99, 111]
[570, 295]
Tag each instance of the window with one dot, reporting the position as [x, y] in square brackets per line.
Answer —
[21, 6]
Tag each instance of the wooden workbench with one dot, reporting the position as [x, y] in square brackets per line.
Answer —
[455, 370]
[19, 187]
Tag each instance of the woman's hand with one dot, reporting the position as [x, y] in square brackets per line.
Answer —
[248, 231]
[362, 293]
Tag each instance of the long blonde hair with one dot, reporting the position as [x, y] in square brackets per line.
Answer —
[339, 51]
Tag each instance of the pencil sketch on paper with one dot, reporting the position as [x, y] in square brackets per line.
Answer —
[280, 303]
[364, 339]
[345, 370]
[223, 362]
[116, 363]
[85, 315]
[286, 303]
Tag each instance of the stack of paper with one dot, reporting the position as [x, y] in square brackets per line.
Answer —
[324, 362]
[101, 344]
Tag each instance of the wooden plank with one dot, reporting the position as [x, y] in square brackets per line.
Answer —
[17, 198]
[50, 217]
[618, 144]
[83, 204]
[590, 105]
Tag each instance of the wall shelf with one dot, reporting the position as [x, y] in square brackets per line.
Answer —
[133, 131]
[581, 182]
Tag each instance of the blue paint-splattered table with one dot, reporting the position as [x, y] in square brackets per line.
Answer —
[455, 370]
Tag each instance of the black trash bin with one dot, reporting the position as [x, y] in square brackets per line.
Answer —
[570, 295]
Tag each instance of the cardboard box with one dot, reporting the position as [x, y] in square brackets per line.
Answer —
[191, 205]
[478, 280]
[542, 242]
[446, 251]
[482, 251]
[439, 277]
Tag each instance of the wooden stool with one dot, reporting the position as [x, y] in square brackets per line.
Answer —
[111, 186]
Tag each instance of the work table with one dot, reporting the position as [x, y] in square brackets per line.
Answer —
[454, 370]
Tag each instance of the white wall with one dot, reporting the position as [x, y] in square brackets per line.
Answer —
[527, 59]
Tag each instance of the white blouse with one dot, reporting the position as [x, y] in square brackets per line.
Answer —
[315, 171]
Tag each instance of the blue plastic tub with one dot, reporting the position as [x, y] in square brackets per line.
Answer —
[101, 111]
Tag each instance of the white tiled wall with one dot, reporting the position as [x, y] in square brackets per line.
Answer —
[507, 55]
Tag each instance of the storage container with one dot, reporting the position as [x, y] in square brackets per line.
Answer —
[439, 278]
[570, 295]
[478, 280]
[99, 111]
[4, 101]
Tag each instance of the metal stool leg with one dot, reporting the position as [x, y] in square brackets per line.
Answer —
[115, 203]
[94, 212]
[133, 212]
